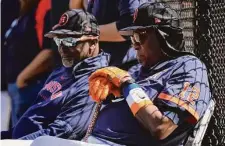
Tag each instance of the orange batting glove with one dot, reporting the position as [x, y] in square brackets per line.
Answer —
[100, 88]
[113, 74]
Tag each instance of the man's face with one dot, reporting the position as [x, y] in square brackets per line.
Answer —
[147, 46]
[75, 50]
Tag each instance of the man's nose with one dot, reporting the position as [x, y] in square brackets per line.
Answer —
[64, 48]
[137, 46]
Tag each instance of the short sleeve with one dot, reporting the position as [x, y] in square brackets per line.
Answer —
[186, 94]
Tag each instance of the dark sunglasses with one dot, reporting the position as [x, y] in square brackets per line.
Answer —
[139, 38]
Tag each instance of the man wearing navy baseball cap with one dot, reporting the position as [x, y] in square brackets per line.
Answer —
[63, 107]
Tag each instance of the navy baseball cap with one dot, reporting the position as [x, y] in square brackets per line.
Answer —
[75, 23]
[152, 14]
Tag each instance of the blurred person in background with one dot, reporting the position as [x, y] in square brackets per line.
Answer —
[27, 62]
[7, 7]
[112, 15]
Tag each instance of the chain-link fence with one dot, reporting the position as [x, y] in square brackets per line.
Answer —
[203, 22]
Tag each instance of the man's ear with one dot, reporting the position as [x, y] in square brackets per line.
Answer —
[92, 48]
[92, 45]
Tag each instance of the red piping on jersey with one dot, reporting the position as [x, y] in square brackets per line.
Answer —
[43, 7]
[181, 103]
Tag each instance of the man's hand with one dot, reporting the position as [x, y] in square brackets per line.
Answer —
[107, 81]
[100, 88]
[113, 74]
[21, 81]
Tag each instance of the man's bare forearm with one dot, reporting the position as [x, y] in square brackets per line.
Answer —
[109, 33]
[153, 120]
[43, 62]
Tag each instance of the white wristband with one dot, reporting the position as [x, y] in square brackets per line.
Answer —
[136, 97]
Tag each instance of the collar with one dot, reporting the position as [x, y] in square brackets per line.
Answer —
[91, 64]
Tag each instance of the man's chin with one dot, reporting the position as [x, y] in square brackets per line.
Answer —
[67, 63]
[141, 62]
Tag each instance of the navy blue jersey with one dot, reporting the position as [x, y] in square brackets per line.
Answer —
[63, 106]
[178, 87]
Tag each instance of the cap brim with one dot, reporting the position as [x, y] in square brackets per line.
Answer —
[128, 31]
[52, 34]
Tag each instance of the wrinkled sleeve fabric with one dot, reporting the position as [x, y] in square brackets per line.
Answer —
[72, 122]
